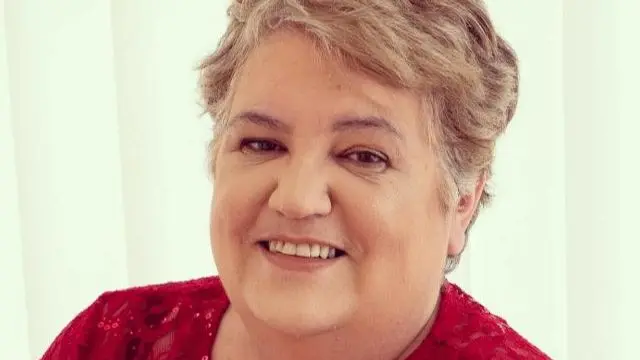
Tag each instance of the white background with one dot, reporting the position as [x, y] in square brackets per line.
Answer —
[103, 182]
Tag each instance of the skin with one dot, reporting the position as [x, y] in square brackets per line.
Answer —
[309, 161]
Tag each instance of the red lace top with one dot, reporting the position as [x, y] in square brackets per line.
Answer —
[180, 320]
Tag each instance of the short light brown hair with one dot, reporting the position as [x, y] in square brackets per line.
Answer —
[447, 51]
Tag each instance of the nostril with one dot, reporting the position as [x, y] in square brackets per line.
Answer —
[302, 198]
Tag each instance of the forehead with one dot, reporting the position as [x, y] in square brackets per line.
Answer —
[288, 75]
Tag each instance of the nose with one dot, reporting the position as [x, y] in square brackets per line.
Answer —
[301, 191]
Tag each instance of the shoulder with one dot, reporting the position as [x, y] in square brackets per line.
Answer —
[136, 322]
[466, 329]
[206, 291]
[152, 305]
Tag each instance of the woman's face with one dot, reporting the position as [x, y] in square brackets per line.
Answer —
[325, 211]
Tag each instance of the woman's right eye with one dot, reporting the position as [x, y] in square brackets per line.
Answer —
[260, 145]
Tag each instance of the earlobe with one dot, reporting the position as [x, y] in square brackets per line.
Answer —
[456, 243]
[463, 214]
[461, 219]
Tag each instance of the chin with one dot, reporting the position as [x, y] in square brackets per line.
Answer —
[298, 321]
[299, 311]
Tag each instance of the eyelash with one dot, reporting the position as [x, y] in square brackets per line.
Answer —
[245, 145]
[267, 146]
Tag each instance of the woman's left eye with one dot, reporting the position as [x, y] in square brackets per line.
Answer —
[368, 158]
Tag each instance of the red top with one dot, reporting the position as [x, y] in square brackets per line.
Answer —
[180, 321]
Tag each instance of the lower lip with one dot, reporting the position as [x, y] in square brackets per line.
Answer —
[297, 263]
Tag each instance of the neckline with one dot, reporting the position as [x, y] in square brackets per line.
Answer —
[221, 305]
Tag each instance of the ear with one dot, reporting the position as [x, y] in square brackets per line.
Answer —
[462, 216]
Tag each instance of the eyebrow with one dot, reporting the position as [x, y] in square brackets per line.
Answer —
[342, 123]
[260, 120]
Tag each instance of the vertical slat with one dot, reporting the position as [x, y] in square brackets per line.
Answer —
[596, 253]
[14, 342]
[162, 137]
[67, 158]
[624, 300]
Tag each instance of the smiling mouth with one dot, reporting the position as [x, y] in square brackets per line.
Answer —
[310, 251]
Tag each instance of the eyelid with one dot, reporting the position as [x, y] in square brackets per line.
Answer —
[377, 153]
[382, 165]
[245, 143]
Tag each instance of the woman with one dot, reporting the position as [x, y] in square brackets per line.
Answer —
[352, 146]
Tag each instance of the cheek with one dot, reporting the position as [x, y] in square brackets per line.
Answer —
[237, 199]
[400, 231]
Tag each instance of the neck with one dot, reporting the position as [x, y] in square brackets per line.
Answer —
[241, 338]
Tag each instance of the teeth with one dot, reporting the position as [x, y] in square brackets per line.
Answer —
[289, 249]
[315, 250]
[302, 250]
[324, 252]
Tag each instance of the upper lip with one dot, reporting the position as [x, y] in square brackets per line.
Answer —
[300, 240]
